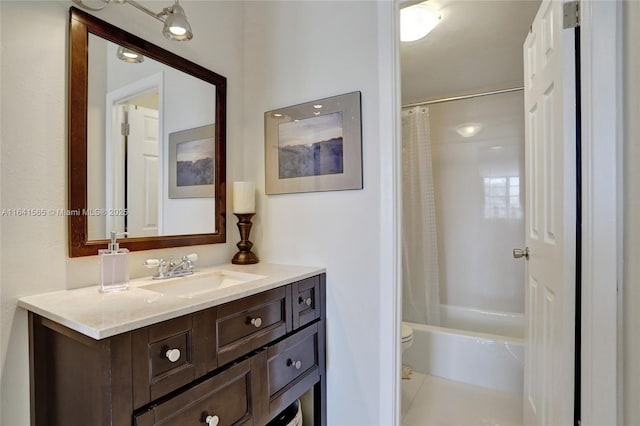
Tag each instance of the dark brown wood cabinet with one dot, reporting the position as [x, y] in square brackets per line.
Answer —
[306, 301]
[294, 365]
[241, 362]
[252, 322]
[232, 396]
[171, 354]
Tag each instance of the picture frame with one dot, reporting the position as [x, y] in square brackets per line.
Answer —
[314, 146]
[191, 163]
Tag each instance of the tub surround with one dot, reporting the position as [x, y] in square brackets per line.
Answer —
[100, 315]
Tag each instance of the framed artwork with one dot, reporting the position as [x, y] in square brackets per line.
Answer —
[191, 163]
[315, 146]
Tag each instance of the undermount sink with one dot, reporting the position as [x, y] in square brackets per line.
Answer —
[200, 283]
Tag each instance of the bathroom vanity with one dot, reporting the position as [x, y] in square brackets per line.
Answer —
[239, 353]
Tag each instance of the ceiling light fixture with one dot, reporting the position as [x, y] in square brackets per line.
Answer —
[417, 21]
[176, 27]
[468, 130]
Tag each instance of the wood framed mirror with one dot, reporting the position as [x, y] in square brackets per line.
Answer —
[119, 179]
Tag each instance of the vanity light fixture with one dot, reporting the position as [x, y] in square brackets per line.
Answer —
[176, 26]
[129, 55]
[417, 21]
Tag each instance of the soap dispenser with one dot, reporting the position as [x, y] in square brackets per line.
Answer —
[114, 267]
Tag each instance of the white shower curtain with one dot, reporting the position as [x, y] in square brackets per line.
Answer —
[421, 284]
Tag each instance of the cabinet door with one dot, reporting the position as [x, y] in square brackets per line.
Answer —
[252, 322]
[231, 397]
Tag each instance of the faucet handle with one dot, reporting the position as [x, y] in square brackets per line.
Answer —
[192, 257]
[152, 263]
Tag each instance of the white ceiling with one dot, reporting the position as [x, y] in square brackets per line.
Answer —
[477, 47]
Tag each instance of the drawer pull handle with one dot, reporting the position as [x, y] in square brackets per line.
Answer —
[173, 355]
[212, 420]
[294, 364]
[306, 301]
[256, 322]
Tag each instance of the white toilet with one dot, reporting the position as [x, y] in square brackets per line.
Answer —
[407, 336]
[407, 341]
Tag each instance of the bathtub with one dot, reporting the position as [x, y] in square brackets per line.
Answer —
[472, 346]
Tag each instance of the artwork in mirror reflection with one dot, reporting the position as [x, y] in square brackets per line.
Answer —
[133, 107]
[191, 165]
[195, 163]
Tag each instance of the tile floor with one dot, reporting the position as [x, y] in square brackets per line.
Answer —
[433, 401]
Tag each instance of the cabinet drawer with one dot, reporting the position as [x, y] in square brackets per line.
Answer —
[229, 395]
[306, 301]
[250, 323]
[293, 366]
[170, 354]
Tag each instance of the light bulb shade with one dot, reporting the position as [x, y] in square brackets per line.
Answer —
[129, 55]
[176, 26]
[417, 21]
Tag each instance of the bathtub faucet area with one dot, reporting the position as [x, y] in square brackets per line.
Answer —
[172, 269]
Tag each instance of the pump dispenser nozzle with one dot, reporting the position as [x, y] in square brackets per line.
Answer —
[114, 245]
[114, 266]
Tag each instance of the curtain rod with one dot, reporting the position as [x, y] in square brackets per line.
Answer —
[457, 98]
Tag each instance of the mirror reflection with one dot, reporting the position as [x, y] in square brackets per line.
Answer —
[147, 121]
[147, 143]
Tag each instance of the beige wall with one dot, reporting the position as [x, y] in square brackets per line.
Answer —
[631, 167]
[298, 52]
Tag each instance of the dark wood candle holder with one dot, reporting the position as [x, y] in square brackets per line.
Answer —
[245, 256]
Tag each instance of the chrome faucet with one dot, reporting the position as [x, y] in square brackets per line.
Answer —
[172, 269]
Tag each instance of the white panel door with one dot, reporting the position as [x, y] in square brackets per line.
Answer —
[142, 172]
[550, 222]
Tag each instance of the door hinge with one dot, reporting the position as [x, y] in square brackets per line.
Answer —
[571, 14]
[124, 126]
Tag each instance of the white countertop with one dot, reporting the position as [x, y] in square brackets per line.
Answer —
[100, 315]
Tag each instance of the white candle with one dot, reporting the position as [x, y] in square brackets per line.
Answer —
[244, 198]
